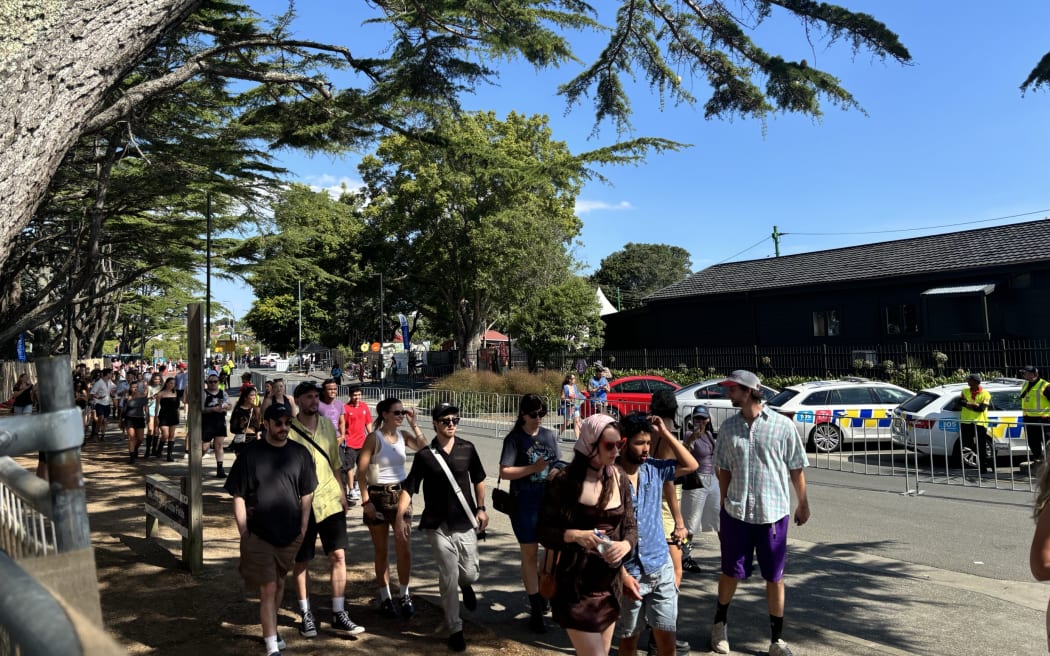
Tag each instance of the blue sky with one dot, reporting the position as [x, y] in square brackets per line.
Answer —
[946, 140]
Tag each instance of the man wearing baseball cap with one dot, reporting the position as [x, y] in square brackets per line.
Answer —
[272, 483]
[327, 512]
[758, 454]
[1035, 408]
[449, 491]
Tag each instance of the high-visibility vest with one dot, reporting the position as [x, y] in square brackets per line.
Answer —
[972, 416]
[1033, 403]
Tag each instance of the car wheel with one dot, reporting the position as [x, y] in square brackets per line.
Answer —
[968, 457]
[826, 438]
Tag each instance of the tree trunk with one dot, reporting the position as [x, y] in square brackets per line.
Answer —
[57, 60]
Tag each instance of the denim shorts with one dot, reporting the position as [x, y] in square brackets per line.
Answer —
[659, 603]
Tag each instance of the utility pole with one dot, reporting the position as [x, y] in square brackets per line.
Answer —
[776, 240]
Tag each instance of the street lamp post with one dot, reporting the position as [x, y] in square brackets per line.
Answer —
[381, 322]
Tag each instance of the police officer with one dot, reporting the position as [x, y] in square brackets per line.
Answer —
[1035, 408]
[973, 422]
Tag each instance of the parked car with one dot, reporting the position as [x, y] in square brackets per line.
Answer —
[929, 422]
[829, 413]
[711, 395]
[629, 394]
[271, 359]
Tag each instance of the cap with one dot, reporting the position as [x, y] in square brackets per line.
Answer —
[743, 378]
[442, 409]
[590, 429]
[606, 372]
[701, 411]
[974, 377]
[276, 411]
[1029, 369]
[306, 387]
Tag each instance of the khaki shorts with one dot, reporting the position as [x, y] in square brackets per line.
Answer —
[384, 499]
[263, 563]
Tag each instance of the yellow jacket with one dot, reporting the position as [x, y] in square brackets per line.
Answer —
[328, 495]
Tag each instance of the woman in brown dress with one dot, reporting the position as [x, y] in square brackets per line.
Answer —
[587, 516]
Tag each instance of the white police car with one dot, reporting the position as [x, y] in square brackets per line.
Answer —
[828, 413]
[929, 422]
[710, 394]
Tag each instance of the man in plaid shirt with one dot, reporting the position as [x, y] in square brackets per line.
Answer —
[757, 454]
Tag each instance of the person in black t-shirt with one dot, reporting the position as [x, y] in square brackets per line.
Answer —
[448, 527]
[213, 420]
[272, 483]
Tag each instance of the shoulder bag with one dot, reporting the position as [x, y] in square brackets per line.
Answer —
[504, 501]
[548, 578]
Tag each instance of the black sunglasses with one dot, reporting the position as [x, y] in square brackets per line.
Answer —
[449, 421]
[539, 414]
[213, 381]
[399, 413]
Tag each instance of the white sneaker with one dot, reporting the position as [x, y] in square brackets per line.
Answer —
[779, 648]
[355, 494]
[720, 638]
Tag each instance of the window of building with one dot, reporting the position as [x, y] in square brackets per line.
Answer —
[826, 323]
[902, 319]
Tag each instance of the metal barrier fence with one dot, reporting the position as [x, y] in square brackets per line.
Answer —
[855, 446]
[26, 528]
[44, 529]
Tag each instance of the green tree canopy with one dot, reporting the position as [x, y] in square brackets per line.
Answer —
[558, 318]
[638, 270]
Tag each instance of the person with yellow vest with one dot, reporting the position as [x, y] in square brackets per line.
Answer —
[973, 423]
[1035, 410]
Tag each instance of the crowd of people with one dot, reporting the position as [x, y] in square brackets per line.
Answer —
[614, 522]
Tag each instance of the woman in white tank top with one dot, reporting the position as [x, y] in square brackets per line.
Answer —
[382, 463]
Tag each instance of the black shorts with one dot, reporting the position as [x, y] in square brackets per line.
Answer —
[332, 530]
[135, 422]
[349, 457]
[102, 410]
[179, 393]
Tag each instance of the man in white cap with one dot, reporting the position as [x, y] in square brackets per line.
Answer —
[757, 454]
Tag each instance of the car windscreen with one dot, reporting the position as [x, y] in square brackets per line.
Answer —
[783, 397]
[919, 401]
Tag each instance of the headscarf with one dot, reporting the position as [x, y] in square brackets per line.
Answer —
[590, 430]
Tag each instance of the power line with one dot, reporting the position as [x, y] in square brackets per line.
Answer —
[754, 245]
[883, 232]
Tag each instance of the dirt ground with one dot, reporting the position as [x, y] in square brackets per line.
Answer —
[152, 605]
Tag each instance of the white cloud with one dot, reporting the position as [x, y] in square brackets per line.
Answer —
[585, 206]
[333, 185]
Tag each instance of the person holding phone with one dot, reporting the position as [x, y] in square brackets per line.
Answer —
[529, 449]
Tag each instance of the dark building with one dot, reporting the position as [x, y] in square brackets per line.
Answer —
[988, 283]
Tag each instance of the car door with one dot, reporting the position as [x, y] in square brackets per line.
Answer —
[1004, 416]
[630, 396]
[858, 413]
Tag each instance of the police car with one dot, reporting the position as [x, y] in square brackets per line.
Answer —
[829, 413]
[929, 422]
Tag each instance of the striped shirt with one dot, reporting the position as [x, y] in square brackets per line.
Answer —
[760, 458]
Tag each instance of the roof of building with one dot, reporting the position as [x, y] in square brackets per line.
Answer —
[603, 301]
[983, 247]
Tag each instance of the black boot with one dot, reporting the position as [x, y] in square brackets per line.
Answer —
[149, 447]
[171, 443]
[157, 446]
[539, 605]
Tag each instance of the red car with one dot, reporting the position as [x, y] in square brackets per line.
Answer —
[628, 394]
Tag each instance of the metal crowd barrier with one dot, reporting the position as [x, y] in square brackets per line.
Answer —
[45, 539]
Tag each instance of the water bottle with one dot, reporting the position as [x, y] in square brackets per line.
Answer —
[605, 541]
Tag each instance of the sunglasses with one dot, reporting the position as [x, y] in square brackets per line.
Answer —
[399, 413]
[539, 414]
[213, 382]
[449, 421]
[614, 446]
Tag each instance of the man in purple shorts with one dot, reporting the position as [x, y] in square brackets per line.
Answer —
[757, 454]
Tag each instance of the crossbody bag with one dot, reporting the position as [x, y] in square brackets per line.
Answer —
[455, 487]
